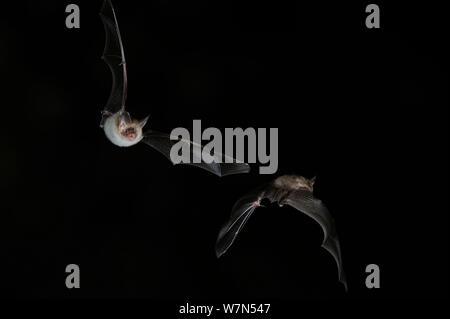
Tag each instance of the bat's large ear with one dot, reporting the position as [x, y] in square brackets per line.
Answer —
[312, 181]
[125, 117]
[143, 122]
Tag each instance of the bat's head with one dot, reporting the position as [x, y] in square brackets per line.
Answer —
[303, 182]
[129, 128]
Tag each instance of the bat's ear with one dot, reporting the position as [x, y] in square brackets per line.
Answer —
[125, 117]
[143, 122]
[312, 180]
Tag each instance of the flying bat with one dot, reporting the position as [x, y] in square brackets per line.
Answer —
[124, 130]
[292, 190]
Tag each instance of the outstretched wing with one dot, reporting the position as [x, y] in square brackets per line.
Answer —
[305, 202]
[240, 213]
[163, 143]
[114, 56]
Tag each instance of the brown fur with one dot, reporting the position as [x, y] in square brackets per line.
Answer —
[294, 182]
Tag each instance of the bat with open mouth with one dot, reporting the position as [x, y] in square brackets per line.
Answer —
[292, 190]
[123, 130]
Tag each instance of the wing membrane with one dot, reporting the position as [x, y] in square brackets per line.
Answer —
[163, 143]
[114, 56]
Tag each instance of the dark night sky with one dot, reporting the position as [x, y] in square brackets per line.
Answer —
[366, 111]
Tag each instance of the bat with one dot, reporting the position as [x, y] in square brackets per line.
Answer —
[123, 130]
[292, 190]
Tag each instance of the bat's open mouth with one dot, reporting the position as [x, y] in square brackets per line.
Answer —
[130, 133]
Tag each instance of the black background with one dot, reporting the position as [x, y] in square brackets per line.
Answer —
[366, 111]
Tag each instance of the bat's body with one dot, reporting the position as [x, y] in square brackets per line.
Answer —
[123, 130]
[123, 133]
[292, 190]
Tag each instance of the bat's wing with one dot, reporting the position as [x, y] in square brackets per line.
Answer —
[114, 56]
[240, 213]
[305, 202]
[163, 143]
